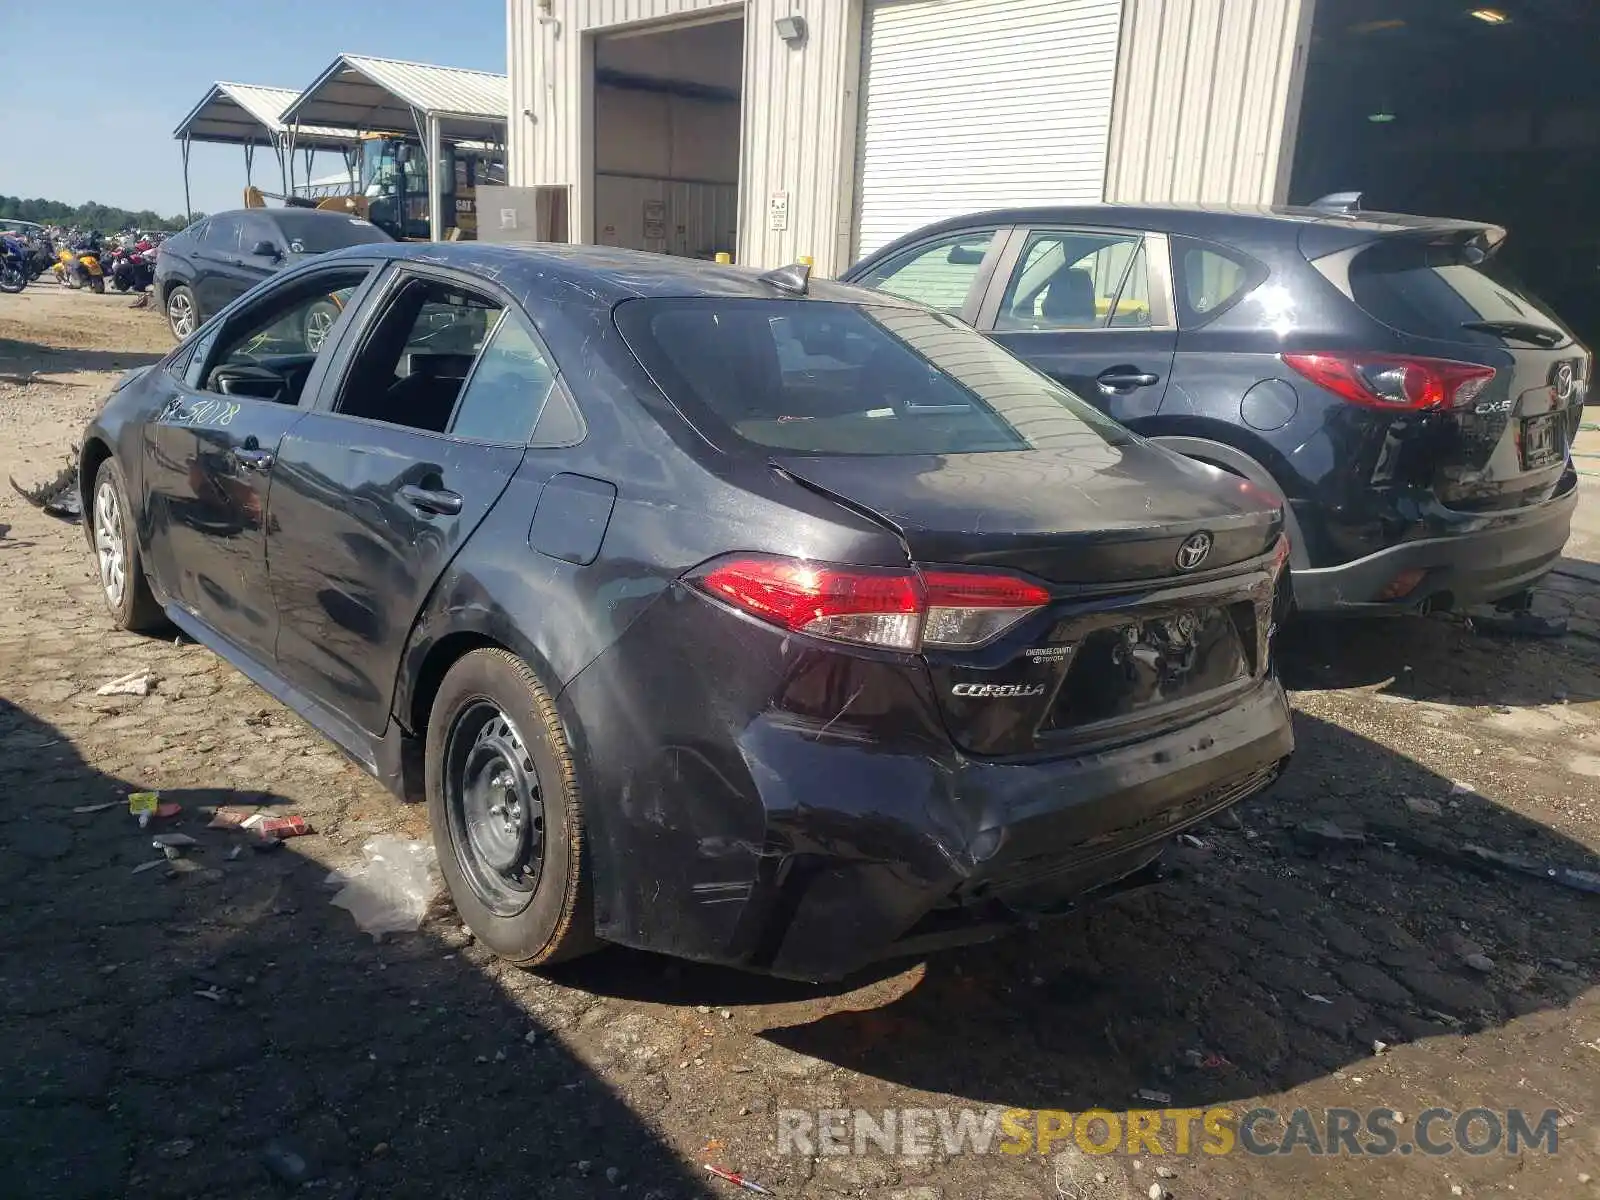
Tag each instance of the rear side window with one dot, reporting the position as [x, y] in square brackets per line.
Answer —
[1430, 291]
[1211, 279]
[814, 377]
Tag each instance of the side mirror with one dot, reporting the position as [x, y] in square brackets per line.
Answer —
[264, 250]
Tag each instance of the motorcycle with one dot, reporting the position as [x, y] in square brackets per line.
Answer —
[13, 265]
[131, 270]
[77, 268]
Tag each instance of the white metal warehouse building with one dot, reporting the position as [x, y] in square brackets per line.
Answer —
[776, 129]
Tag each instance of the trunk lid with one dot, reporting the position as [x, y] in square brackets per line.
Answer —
[1097, 514]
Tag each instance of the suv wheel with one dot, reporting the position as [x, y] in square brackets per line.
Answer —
[183, 314]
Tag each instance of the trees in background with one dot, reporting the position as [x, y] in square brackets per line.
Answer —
[86, 216]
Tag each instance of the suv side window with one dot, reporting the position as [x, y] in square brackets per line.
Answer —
[939, 274]
[222, 234]
[1211, 279]
[1078, 279]
[258, 229]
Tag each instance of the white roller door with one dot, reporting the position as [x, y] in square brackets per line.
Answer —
[973, 104]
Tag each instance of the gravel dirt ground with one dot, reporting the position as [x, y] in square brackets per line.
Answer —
[176, 1036]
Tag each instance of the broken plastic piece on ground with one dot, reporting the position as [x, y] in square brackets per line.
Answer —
[150, 866]
[229, 818]
[390, 892]
[1153, 1096]
[94, 808]
[134, 683]
[732, 1177]
[1520, 623]
[173, 845]
[284, 827]
[168, 810]
[143, 806]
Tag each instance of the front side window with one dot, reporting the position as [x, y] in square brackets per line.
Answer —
[816, 377]
[222, 235]
[266, 352]
[939, 274]
[1069, 279]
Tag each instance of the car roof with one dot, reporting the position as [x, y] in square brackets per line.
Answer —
[604, 275]
[1195, 220]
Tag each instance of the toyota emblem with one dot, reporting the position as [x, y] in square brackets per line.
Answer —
[1193, 551]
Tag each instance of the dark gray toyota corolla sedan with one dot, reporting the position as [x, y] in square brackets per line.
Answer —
[742, 617]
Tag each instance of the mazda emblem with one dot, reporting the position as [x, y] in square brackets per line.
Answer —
[1193, 551]
[1566, 382]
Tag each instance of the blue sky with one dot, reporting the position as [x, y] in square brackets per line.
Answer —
[78, 130]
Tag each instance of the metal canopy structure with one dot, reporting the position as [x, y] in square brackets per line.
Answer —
[385, 95]
[249, 115]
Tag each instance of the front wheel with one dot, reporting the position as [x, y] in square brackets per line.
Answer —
[507, 816]
[183, 314]
[128, 597]
[12, 279]
[320, 318]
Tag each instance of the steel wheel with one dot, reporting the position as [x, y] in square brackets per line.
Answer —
[180, 314]
[108, 542]
[495, 807]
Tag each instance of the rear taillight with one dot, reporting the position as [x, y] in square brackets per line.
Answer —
[892, 608]
[1395, 381]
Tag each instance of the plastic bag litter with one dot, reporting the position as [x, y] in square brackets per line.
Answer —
[390, 892]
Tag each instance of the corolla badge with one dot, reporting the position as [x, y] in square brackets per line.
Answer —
[997, 690]
[1194, 550]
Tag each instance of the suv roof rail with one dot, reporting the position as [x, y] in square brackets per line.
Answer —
[1340, 202]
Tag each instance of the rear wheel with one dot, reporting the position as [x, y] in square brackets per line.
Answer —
[183, 314]
[127, 591]
[97, 284]
[506, 812]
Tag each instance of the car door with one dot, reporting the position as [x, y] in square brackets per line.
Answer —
[1091, 308]
[949, 271]
[216, 263]
[208, 456]
[375, 491]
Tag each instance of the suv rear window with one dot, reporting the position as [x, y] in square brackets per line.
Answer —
[818, 377]
[1432, 291]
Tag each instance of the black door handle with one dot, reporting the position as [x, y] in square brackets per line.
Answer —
[1125, 379]
[254, 460]
[429, 500]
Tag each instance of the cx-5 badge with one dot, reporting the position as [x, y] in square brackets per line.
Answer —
[1194, 550]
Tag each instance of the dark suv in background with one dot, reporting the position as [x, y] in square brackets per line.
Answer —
[1414, 408]
[221, 257]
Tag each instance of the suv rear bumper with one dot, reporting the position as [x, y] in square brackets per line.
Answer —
[1473, 558]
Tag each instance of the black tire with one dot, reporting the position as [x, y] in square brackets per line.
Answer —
[134, 608]
[97, 284]
[179, 304]
[12, 280]
[555, 920]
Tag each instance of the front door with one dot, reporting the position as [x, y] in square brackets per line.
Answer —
[216, 263]
[209, 459]
[376, 490]
[1092, 309]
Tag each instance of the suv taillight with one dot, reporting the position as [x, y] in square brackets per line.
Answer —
[1395, 381]
[893, 608]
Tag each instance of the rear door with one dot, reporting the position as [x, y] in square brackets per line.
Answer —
[1092, 308]
[216, 263]
[1509, 445]
[210, 454]
[415, 436]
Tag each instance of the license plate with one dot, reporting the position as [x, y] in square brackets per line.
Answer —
[1542, 443]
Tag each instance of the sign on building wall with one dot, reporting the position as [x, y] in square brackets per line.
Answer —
[778, 212]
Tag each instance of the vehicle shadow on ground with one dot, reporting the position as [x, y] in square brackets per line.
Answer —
[1276, 959]
[1439, 659]
[56, 360]
[163, 1033]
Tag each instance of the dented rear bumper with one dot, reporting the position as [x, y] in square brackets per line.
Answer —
[769, 803]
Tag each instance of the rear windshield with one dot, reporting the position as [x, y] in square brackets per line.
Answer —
[1430, 291]
[316, 232]
[816, 377]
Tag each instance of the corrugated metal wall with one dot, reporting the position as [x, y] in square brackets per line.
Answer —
[798, 123]
[1207, 97]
